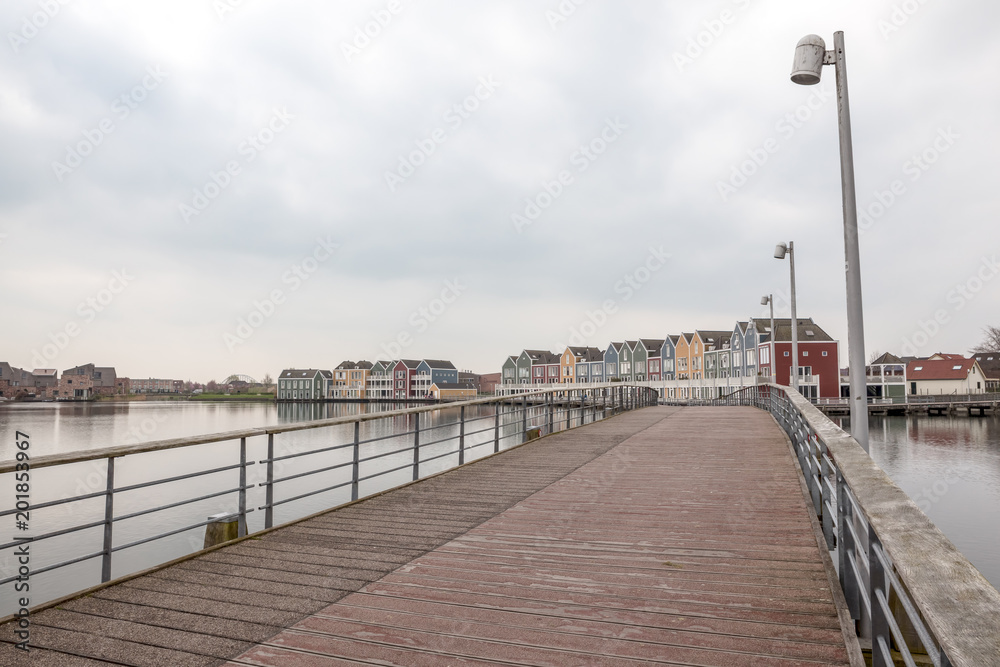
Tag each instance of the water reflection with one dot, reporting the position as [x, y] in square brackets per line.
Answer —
[950, 466]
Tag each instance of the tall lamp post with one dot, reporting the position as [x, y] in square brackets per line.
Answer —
[780, 251]
[807, 68]
[769, 301]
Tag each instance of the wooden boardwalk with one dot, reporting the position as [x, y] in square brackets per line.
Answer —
[662, 536]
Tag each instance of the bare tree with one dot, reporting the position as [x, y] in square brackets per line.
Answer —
[873, 356]
[991, 341]
[267, 381]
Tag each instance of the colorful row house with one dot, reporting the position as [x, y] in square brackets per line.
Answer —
[715, 359]
[298, 384]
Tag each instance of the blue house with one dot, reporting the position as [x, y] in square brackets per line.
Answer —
[440, 371]
[668, 356]
[612, 356]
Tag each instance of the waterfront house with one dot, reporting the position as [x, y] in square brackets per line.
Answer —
[509, 370]
[989, 363]
[626, 361]
[304, 384]
[404, 379]
[575, 363]
[668, 357]
[819, 364]
[539, 366]
[886, 377]
[452, 391]
[439, 371]
[683, 352]
[653, 365]
[612, 354]
[945, 376]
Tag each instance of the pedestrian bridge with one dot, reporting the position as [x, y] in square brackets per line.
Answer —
[751, 532]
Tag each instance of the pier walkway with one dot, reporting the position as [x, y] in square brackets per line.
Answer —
[660, 536]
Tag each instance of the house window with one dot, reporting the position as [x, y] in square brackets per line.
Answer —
[824, 353]
[786, 353]
[805, 353]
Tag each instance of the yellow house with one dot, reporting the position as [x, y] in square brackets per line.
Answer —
[569, 369]
[696, 355]
[350, 380]
[683, 356]
[452, 391]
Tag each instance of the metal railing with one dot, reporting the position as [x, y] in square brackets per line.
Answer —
[907, 587]
[514, 419]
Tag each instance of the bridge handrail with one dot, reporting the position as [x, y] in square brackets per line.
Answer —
[887, 550]
[529, 411]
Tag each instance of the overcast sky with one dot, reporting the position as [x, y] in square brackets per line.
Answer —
[196, 188]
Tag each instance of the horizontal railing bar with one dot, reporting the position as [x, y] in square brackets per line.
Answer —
[435, 442]
[308, 452]
[311, 493]
[451, 452]
[128, 450]
[62, 501]
[178, 504]
[161, 536]
[384, 454]
[49, 568]
[133, 487]
[911, 611]
[308, 472]
[385, 472]
[64, 531]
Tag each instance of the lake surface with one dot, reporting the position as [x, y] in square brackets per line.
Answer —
[56, 428]
[949, 465]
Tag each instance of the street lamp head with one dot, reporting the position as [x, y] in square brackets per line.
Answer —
[807, 67]
[764, 300]
[780, 250]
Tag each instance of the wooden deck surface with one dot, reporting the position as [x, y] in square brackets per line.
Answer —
[662, 536]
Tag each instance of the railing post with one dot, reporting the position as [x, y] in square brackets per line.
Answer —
[241, 527]
[269, 484]
[461, 437]
[416, 446]
[524, 417]
[549, 405]
[827, 501]
[569, 409]
[846, 549]
[109, 517]
[496, 429]
[356, 462]
[879, 597]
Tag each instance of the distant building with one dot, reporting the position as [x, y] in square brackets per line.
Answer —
[945, 374]
[151, 386]
[14, 382]
[297, 384]
[989, 362]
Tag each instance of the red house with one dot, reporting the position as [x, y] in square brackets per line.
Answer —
[819, 364]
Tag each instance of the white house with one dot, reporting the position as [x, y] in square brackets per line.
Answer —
[945, 376]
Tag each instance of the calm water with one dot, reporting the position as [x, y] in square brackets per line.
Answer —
[65, 427]
[950, 466]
